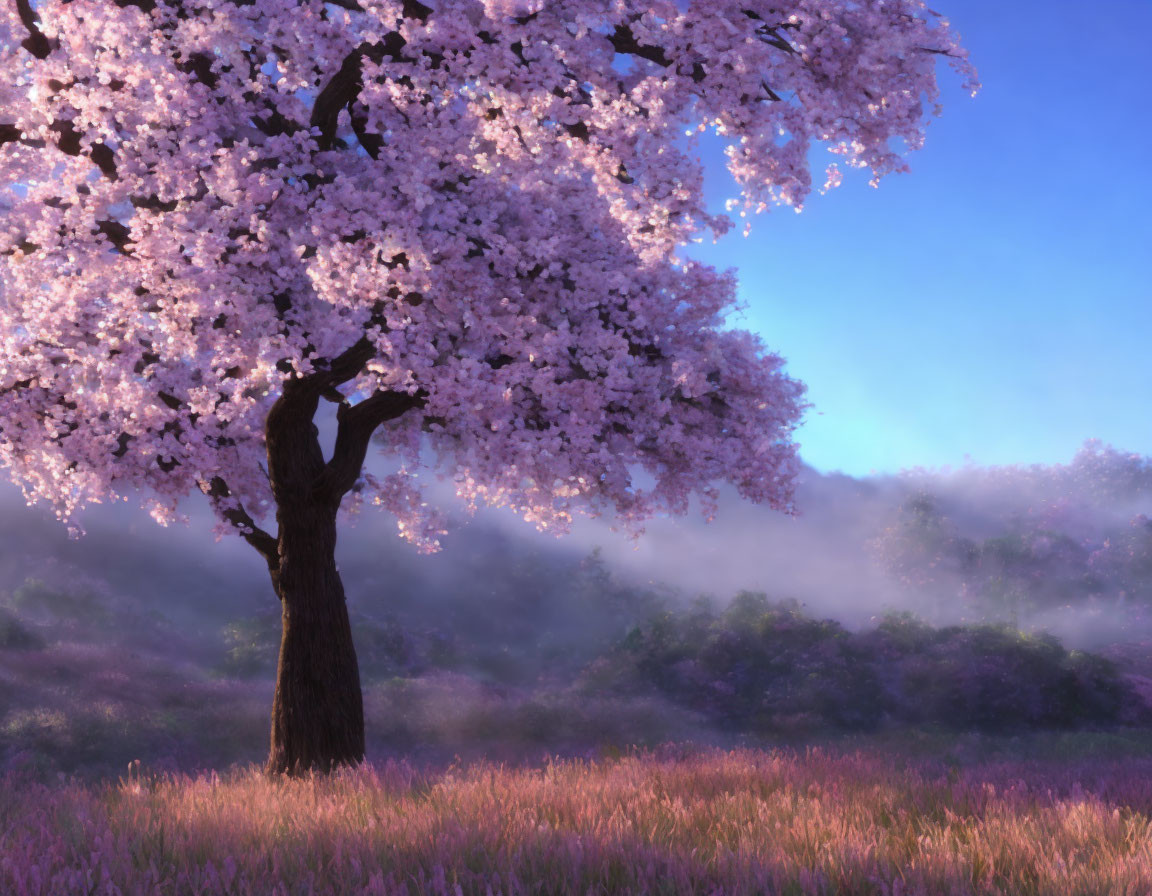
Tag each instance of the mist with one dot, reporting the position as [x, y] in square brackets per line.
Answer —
[830, 557]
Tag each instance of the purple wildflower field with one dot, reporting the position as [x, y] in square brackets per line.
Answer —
[742, 821]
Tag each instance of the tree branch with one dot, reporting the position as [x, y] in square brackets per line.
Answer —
[67, 139]
[348, 364]
[624, 42]
[68, 143]
[295, 460]
[356, 424]
[344, 87]
[36, 43]
[216, 490]
[117, 234]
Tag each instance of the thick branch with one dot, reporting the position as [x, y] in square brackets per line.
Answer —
[356, 423]
[69, 143]
[372, 143]
[624, 41]
[295, 460]
[348, 364]
[294, 455]
[36, 43]
[344, 88]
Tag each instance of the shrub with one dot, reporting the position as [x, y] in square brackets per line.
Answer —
[764, 666]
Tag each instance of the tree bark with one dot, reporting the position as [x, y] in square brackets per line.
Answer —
[318, 710]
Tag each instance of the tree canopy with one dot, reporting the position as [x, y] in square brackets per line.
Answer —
[460, 222]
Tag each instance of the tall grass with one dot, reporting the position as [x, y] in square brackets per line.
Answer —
[742, 821]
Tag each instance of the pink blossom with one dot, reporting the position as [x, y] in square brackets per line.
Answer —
[203, 201]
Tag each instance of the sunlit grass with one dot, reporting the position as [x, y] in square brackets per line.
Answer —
[744, 821]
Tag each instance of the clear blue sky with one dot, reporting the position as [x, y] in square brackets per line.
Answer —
[995, 302]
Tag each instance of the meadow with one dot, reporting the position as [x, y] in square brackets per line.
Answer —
[820, 821]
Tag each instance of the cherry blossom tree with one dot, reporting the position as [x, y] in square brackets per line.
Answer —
[458, 222]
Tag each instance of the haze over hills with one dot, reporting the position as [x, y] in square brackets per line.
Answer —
[836, 558]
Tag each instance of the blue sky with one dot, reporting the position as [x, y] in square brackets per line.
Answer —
[996, 302]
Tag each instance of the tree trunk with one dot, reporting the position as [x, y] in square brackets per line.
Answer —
[318, 710]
